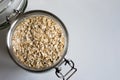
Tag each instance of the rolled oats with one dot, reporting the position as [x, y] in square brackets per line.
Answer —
[38, 42]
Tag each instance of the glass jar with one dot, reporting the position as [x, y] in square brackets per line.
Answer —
[7, 8]
[13, 15]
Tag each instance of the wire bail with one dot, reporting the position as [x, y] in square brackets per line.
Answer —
[67, 75]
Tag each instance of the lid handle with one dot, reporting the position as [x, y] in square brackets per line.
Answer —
[69, 73]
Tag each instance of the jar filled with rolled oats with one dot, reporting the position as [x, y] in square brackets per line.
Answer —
[37, 40]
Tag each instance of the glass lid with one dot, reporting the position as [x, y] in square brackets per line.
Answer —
[7, 8]
[4, 4]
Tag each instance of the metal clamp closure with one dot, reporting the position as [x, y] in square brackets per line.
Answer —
[13, 16]
[69, 73]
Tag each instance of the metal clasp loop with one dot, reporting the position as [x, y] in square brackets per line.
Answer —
[70, 72]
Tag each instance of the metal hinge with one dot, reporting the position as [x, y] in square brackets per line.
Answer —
[12, 16]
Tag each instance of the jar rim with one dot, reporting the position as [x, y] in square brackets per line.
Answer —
[12, 28]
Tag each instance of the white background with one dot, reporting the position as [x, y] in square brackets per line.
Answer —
[94, 31]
